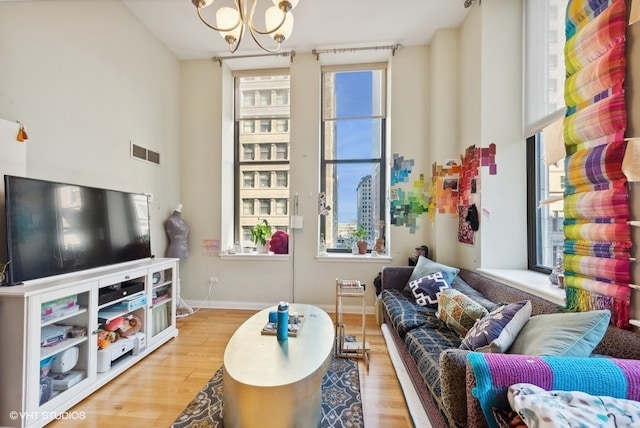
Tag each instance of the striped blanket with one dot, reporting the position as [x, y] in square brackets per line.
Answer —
[494, 373]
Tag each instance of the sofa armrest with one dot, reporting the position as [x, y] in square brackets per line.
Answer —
[492, 374]
[452, 383]
[395, 277]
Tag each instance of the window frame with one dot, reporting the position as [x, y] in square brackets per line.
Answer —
[257, 165]
[533, 221]
[543, 105]
[381, 161]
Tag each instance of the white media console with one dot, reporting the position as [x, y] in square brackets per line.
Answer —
[76, 307]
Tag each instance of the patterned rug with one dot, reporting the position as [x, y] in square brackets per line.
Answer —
[341, 400]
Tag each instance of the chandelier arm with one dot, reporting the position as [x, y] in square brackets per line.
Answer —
[233, 47]
[223, 30]
[255, 39]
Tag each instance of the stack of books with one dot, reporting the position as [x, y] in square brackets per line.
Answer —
[57, 308]
[350, 283]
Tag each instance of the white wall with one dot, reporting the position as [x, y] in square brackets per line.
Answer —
[72, 73]
[489, 111]
[446, 129]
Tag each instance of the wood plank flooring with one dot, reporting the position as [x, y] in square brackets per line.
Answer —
[154, 392]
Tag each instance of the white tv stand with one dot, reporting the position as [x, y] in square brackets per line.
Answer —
[23, 315]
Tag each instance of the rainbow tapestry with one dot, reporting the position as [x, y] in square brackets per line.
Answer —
[596, 200]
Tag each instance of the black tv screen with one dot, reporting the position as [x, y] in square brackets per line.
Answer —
[57, 228]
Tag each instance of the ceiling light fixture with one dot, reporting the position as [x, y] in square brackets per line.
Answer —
[231, 23]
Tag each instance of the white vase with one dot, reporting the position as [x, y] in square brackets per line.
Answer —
[262, 248]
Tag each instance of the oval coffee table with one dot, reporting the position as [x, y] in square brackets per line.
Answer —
[268, 383]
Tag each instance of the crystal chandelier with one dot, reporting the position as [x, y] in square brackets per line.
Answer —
[231, 23]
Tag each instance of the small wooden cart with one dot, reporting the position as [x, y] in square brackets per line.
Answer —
[347, 346]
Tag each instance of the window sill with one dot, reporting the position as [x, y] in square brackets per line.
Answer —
[256, 256]
[532, 282]
[350, 258]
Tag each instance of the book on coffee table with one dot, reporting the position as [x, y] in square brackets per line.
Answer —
[269, 328]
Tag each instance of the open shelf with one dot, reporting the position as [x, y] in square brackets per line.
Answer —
[64, 316]
[47, 351]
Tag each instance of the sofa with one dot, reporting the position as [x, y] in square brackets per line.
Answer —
[442, 374]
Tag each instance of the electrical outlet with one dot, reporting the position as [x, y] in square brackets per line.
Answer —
[213, 280]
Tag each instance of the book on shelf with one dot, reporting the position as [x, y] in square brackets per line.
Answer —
[270, 328]
[349, 284]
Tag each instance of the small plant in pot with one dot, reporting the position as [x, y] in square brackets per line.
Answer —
[261, 234]
[360, 235]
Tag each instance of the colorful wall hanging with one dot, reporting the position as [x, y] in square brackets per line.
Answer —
[407, 206]
[466, 177]
[596, 200]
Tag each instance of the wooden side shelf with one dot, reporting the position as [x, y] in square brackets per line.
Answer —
[348, 346]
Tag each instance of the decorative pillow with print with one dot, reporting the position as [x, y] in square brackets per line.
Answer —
[458, 311]
[427, 289]
[497, 331]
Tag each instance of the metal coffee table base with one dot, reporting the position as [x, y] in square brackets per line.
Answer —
[268, 383]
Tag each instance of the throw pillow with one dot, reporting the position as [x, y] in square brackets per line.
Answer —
[426, 266]
[568, 334]
[458, 311]
[497, 331]
[427, 289]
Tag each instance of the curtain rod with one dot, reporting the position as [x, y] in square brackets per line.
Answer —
[393, 48]
[284, 54]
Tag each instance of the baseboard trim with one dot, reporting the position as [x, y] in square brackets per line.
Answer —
[414, 404]
[258, 306]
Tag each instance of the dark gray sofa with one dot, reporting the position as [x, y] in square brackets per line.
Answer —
[429, 350]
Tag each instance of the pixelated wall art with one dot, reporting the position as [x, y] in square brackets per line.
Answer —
[407, 205]
[456, 184]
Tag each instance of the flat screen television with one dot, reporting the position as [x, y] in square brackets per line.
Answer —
[58, 228]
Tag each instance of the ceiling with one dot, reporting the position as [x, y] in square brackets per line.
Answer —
[318, 24]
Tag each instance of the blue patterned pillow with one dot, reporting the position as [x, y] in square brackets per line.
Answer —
[427, 289]
[497, 331]
[427, 266]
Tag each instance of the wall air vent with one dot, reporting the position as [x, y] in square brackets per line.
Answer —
[153, 157]
[143, 154]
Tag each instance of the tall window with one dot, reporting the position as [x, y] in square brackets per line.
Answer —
[261, 156]
[544, 109]
[546, 206]
[352, 154]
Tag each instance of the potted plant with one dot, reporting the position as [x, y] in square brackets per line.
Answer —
[261, 234]
[360, 236]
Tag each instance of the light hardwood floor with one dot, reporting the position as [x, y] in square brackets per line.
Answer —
[154, 392]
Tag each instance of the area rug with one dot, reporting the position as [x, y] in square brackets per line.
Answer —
[341, 400]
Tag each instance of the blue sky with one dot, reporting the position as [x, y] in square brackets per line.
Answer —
[353, 98]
